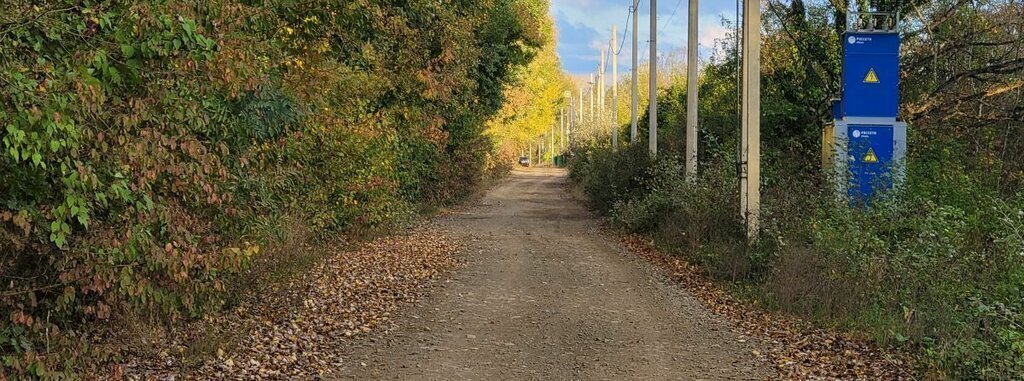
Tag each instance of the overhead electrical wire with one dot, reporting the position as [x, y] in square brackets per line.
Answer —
[626, 28]
[678, 3]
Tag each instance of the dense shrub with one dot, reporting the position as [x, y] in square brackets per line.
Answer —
[151, 147]
[936, 267]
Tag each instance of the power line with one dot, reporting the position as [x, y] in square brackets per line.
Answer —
[626, 29]
[678, 3]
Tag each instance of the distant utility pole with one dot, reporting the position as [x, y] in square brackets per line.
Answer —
[602, 77]
[636, 62]
[750, 138]
[600, 82]
[572, 116]
[543, 144]
[551, 146]
[593, 90]
[580, 122]
[615, 92]
[691, 93]
[561, 120]
[652, 134]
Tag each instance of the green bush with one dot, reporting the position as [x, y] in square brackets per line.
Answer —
[937, 266]
[151, 148]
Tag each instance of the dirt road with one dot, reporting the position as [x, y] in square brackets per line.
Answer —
[543, 295]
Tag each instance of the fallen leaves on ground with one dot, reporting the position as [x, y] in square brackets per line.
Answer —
[297, 333]
[797, 350]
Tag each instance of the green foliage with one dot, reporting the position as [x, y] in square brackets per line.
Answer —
[936, 268]
[150, 148]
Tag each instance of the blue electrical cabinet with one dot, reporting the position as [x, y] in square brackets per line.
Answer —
[866, 142]
[871, 75]
[871, 152]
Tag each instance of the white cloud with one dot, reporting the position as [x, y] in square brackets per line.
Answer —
[600, 15]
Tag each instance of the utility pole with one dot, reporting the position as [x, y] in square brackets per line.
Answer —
[600, 82]
[541, 144]
[551, 145]
[580, 122]
[750, 144]
[571, 111]
[593, 89]
[561, 119]
[572, 116]
[615, 92]
[691, 93]
[636, 62]
[652, 134]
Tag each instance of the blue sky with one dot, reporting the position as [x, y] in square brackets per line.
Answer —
[584, 26]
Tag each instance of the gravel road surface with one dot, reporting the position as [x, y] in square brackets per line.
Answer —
[543, 295]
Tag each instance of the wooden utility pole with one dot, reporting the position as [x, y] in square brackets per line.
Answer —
[636, 62]
[750, 142]
[691, 93]
[615, 92]
[652, 133]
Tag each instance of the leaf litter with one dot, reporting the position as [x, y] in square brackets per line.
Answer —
[299, 332]
[796, 349]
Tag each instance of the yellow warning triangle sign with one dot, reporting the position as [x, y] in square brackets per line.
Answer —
[872, 77]
[871, 158]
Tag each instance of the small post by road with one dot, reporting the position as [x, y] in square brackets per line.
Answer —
[615, 93]
[691, 93]
[652, 134]
[636, 62]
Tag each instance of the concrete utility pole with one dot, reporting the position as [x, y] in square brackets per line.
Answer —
[593, 90]
[691, 93]
[572, 117]
[551, 146]
[580, 122]
[600, 82]
[750, 139]
[636, 62]
[615, 93]
[652, 134]
[541, 145]
[561, 120]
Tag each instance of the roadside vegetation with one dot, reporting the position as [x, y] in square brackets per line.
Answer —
[935, 269]
[156, 153]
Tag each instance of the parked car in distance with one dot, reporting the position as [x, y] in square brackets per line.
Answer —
[524, 161]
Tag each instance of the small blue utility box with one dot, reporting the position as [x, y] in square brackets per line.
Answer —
[866, 143]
